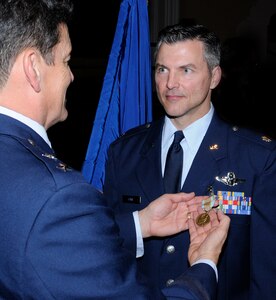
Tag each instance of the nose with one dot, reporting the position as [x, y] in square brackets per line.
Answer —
[173, 81]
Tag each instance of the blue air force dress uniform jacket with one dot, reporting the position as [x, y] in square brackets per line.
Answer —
[240, 167]
[58, 238]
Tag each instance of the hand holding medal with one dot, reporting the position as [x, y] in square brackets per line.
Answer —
[206, 241]
[207, 204]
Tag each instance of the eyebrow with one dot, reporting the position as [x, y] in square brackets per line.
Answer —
[159, 65]
[179, 67]
[188, 66]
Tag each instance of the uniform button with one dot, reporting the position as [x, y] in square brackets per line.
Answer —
[169, 282]
[170, 249]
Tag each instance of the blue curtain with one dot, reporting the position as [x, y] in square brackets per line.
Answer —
[126, 96]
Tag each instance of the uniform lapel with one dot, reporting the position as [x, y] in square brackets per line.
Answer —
[208, 162]
[148, 172]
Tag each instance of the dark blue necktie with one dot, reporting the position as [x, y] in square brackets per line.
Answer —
[174, 163]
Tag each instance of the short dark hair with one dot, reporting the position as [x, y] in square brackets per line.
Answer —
[183, 32]
[30, 23]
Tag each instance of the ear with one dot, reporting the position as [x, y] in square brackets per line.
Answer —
[31, 68]
[216, 76]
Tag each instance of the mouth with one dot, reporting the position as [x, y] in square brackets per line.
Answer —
[173, 98]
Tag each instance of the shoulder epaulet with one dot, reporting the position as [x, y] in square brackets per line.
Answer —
[136, 130]
[255, 136]
[55, 167]
[49, 158]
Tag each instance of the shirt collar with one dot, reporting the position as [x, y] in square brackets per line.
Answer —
[194, 133]
[39, 129]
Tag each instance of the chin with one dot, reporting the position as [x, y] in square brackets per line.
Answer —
[174, 114]
[63, 115]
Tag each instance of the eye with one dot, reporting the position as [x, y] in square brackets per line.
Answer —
[160, 70]
[187, 70]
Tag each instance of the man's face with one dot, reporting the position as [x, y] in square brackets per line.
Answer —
[183, 81]
[57, 79]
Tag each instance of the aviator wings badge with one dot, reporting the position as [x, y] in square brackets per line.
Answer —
[230, 179]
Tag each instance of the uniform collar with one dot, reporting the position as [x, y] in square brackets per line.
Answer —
[194, 133]
[39, 129]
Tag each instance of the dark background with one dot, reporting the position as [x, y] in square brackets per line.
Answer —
[91, 32]
[246, 95]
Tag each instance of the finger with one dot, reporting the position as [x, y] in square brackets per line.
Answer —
[216, 203]
[180, 197]
[196, 202]
[181, 212]
[223, 219]
[192, 227]
[187, 196]
[194, 205]
[214, 217]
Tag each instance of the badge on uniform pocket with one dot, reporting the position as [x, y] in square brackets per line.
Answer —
[131, 199]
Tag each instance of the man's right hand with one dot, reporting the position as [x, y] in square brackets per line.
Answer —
[206, 241]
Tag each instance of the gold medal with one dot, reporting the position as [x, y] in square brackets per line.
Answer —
[207, 205]
[203, 219]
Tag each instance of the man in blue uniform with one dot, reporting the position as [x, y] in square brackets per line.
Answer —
[58, 238]
[236, 165]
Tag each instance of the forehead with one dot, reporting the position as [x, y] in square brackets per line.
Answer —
[64, 46]
[181, 51]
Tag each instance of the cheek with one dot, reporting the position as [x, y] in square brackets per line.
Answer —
[160, 94]
[160, 86]
[66, 78]
[196, 87]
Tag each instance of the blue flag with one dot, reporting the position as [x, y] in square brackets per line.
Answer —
[126, 96]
